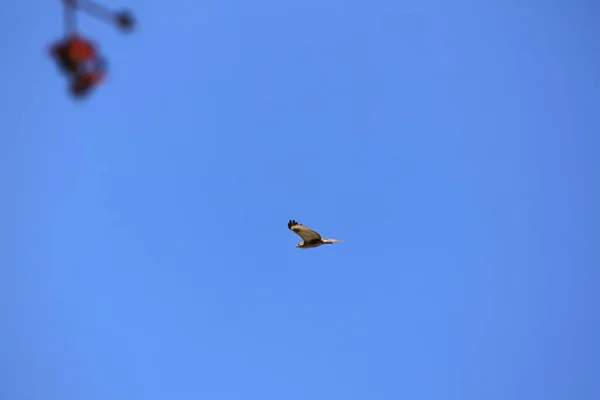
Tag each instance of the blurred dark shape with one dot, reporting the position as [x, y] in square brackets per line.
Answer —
[125, 20]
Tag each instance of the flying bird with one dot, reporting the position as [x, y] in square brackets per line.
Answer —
[310, 238]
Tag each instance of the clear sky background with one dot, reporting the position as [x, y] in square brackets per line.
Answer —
[453, 146]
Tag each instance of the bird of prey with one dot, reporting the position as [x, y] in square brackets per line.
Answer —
[309, 237]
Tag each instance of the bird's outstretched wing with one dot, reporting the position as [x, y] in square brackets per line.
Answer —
[307, 234]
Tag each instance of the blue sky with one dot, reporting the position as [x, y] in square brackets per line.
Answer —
[453, 147]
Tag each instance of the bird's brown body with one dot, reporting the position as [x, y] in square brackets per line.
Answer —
[310, 238]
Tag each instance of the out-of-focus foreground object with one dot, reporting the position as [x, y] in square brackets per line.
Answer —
[77, 56]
